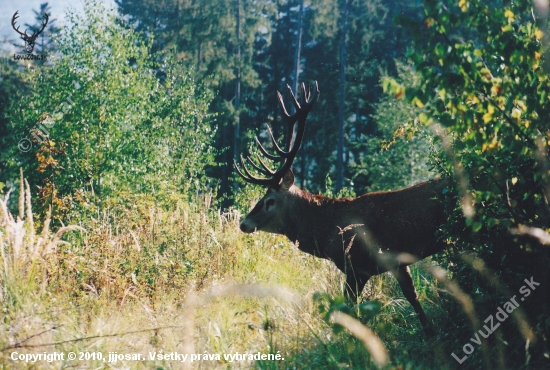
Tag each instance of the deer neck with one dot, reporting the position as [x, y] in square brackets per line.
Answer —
[306, 219]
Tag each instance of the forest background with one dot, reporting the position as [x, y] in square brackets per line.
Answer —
[129, 129]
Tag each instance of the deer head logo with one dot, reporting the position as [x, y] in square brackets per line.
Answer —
[29, 40]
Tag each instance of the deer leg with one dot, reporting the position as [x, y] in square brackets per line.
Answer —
[403, 276]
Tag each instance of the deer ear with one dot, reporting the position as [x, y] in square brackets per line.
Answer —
[288, 180]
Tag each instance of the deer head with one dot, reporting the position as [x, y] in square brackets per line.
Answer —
[29, 40]
[266, 214]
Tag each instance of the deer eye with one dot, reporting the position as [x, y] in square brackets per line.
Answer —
[269, 203]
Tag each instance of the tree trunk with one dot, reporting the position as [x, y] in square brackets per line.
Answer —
[199, 46]
[296, 74]
[296, 71]
[237, 84]
[341, 105]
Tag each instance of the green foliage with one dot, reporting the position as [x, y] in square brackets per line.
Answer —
[12, 87]
[400, 156]
[484, 66]
[125, 122]
[483, 81]
[345, 192]
[364, 312]
[204, 36]
[262, 62]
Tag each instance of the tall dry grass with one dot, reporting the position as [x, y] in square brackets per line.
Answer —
[143, 277]
[129, 278]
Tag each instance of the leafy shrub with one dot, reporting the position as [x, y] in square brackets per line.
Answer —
[483, 79]
[110, 117]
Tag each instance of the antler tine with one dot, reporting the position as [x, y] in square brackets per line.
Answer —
[249, 177]
[264, 152]
[278, 149]
[264, 165]
[304, 93]
[44, 24]
[13, 19]
[282, 104]
[294, 101]
[308, 99]
[265, 172]
[239, 171]
[290, 120]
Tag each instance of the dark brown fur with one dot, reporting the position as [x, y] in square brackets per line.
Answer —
[363, 236]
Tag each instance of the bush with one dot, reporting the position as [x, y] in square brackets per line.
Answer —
[109, 117]
[486, 92]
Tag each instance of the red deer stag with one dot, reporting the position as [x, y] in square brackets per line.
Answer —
[365, 236]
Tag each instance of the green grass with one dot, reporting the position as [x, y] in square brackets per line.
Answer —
[123, 280]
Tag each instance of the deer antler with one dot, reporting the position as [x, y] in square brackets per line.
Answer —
[15, 16]
[24, 35]
[287, 157]
[45, 20]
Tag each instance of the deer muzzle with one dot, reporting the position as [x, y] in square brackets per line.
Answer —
[247, 227]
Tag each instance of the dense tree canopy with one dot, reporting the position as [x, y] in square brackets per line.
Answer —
[264, 57]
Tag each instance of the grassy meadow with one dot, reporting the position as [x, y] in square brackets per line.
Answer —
[124, 280]
[137, 278]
